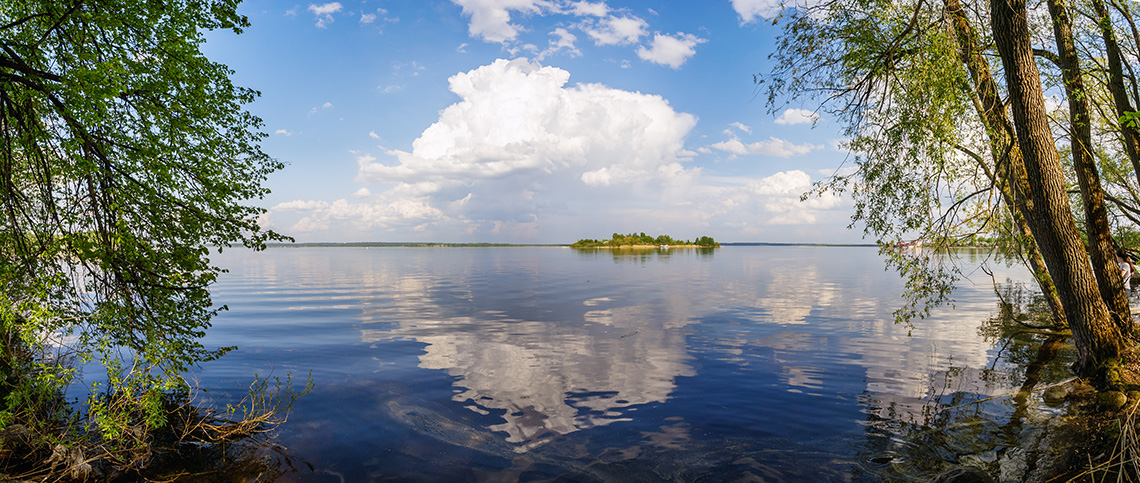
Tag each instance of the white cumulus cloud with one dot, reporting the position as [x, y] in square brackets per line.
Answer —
[300, 205]
[520, 144]
[771, 200]
[797, 116]
[523, 153]
[616, 30]
[773, 146]
[491, 19]
[315, 109]
[750, 10]
[324, 12]
[670, 50]
[784, 183]
[584, 8]
[520, 117]
[779, 197]
[563, 41]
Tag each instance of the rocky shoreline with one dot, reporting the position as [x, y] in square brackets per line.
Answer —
[1088, 439]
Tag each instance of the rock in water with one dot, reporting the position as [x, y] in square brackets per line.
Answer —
[1056, 395]
[435, 425]
[963, 474]
[438, 426]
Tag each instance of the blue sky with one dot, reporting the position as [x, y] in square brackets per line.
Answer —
[530, 121]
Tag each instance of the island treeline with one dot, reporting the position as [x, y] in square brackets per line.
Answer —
[634, 239]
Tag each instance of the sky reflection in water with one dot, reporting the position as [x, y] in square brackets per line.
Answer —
[778, 363]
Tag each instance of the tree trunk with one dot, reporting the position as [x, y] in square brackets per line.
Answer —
[1130, 134]
[1101, 247]
[1098, 340]
[1009, 170]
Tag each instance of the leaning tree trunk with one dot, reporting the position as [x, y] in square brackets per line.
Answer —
[1098, 340]
[1101, 246]
[1009, 169]
[1130, 134]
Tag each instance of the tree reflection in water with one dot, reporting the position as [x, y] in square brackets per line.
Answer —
[956, 427]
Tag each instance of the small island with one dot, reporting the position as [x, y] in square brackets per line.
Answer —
[642, 240]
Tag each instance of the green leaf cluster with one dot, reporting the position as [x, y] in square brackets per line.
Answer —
[125, 155]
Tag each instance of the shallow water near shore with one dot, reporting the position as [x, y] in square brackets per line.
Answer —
[753, 363]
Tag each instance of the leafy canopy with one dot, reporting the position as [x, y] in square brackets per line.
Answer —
[124, 155]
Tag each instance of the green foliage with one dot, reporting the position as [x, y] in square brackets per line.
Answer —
[632, 239]
[705, 241]
[891, 74]
[929, 279]
[896, 84]
[588, 243]
[1130, 119]
[124, 155]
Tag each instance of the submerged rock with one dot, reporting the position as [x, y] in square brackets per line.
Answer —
[963, 474]
[1056, 395]
[1046, 450]
[981, 460]
[1013, 466]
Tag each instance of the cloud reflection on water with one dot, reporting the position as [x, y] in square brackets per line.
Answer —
[541, 343]
[555, 377]
[600, 355]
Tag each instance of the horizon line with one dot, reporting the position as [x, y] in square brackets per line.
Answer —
[499, 244]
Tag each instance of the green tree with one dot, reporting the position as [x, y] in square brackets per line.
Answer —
[706, 241]
[941, 154]
[587, 243]
[125, 154]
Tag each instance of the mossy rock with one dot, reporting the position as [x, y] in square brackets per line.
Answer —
[1055, 395]
[1111, 400]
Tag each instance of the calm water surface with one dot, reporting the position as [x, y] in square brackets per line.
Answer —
[550, 364]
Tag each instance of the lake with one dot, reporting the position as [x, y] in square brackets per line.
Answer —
[743, 363]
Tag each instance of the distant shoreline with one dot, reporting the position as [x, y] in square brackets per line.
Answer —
[405, 245]
[638, 247]
[766, 244]
[516, 245]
